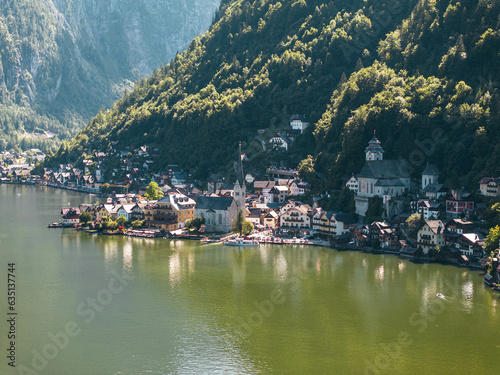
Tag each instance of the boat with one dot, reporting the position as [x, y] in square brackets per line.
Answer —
[241, 242]
[440, 296]
[55, 224]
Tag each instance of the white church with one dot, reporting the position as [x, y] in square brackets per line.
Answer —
[382, 177]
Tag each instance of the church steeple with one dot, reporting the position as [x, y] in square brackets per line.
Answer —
[240, 190]
[374, 150]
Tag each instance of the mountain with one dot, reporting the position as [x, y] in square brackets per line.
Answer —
[423, 74]
[63, 60]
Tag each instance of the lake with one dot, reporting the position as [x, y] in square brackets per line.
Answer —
[90, 304]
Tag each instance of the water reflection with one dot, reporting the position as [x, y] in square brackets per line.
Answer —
[174, 269]
[280, 268]
[468, 295]
[110, 251]
[379, 273]
[127, 256]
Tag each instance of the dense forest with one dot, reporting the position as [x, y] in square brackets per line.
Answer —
[61, 61]
[423, 74]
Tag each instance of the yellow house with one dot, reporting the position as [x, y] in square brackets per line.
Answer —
[171, 212]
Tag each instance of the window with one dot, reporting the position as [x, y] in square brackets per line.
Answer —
[220, 218]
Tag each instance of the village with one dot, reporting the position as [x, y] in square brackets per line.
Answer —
[419, 220]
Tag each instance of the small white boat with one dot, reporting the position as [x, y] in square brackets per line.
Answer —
[241, 242]
[440, 296]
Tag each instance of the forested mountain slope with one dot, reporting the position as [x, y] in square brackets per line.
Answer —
[424, 74]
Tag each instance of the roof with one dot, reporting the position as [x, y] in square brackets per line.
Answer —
[486, 180]
[385, 169]
[389, 182]
[434, 188]
[214, 203]
[264, 184]
[472, 237]
[298, 117]
[436, 226]
[271, 214]
[431, 170]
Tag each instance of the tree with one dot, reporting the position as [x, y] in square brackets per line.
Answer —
[137, 224]
[121, 221]
[239, 222]
[195, 224]
[491, 241]
[247, 228]
[375, 209]
[153, 192]
[85, 218]
[413, 221]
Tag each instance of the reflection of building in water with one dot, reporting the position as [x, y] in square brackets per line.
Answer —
[174, 269]
[127, 256]
[110, 250]
[280, 268]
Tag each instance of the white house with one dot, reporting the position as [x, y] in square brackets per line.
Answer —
[125, 210]
[296, 218]
[298, 123]
[353, 184]
[280, 142]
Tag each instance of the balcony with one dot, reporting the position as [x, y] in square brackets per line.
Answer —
[293, 220]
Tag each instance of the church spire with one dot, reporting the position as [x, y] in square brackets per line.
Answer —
[374, 151]
[239, 171]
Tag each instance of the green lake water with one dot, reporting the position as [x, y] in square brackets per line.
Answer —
[113, 305]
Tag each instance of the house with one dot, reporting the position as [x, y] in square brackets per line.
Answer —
[341, 223]
[430, 209]
[431, 235]
[171, 212]
[299, 123]
[71, 216]
[299, 187]
[278, 194]
[360, 233]
[470, 244]
[352, 184]
[280, 141]
[382, 177]
[106, 210]
[383, 234]
[271, 220]
[435, 191]
[490, 187]
[215, 182]
[253, 215]
[219, 213]
[459, 202]
[137, 212]
[296, 218]
[125, 211]
[263, 187]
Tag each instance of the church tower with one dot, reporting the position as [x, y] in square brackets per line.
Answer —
[240, 190]
[430, 175]
[374, 150]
